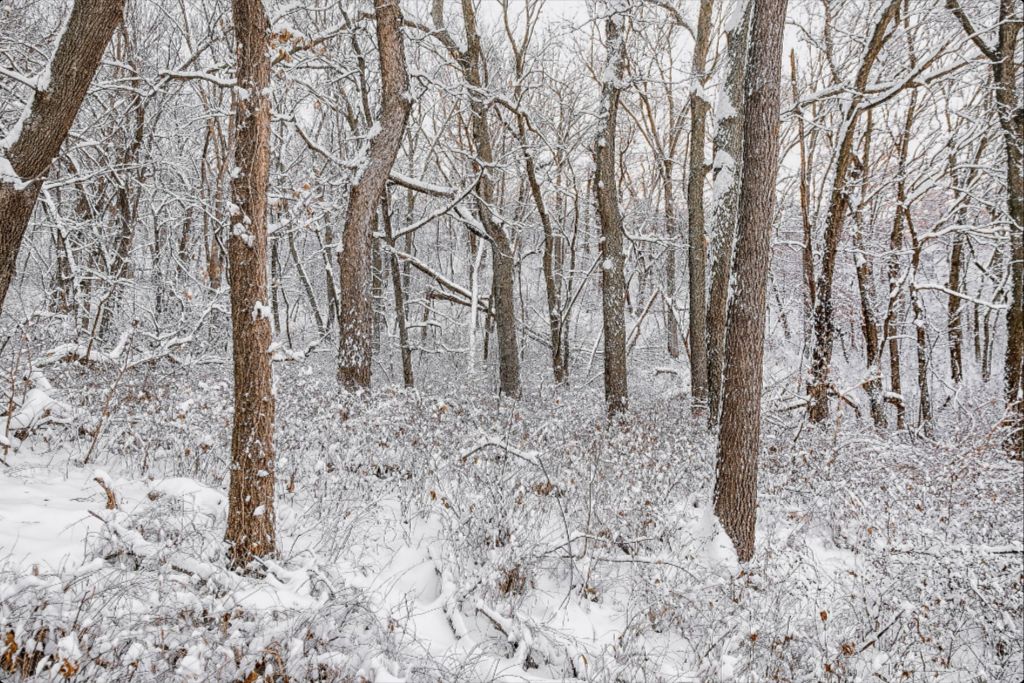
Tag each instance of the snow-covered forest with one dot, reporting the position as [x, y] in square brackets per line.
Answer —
[511, 340]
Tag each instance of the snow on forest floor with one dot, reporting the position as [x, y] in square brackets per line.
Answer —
[434, 537]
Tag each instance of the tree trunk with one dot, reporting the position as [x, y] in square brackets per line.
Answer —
[503, 271]
[818, 389]
[729, 146]
[866, 286]
[889, 330]
[127, 196]
[37, 138]
[399, 293]
[1003, 60]
[807, 250]
[613, 281]
[671, 234]
[307, 286]
[920, 333]
[251, 522]
[740, 434]
[696, 253]
[551, 284]
[355, 330]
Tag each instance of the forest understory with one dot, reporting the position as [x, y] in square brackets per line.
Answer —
[472, 341]
[449, 535]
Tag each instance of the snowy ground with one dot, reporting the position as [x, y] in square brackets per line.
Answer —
[428, 537]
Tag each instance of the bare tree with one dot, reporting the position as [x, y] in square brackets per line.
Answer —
[865, 280]
[552, 290]
[1002, 58]
[251, 522]
[697, 250]
[30, 147]
[726, 166]
[355, 332]
[818, 388]
[613, 281]
[740, 434]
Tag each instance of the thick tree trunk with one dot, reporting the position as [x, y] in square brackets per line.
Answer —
[729, 146]
[697, 250]
[251, 522]
[355, 330]
[613, 281]
[740, 434]
[818, 388]
[36, 139]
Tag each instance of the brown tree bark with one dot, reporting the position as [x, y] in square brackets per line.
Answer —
[251, 522]
[613, 281]
[697, 249]
[31, 146]
[355, 331]
[729, 155]
[818, 387]
[740, 434]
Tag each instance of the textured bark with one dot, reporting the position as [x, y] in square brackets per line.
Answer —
[355, 329]
[818, 388]
[696, 253]
[740, 434]
[613, 281]
[47, 121]
[729, 143]
[251, 522]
